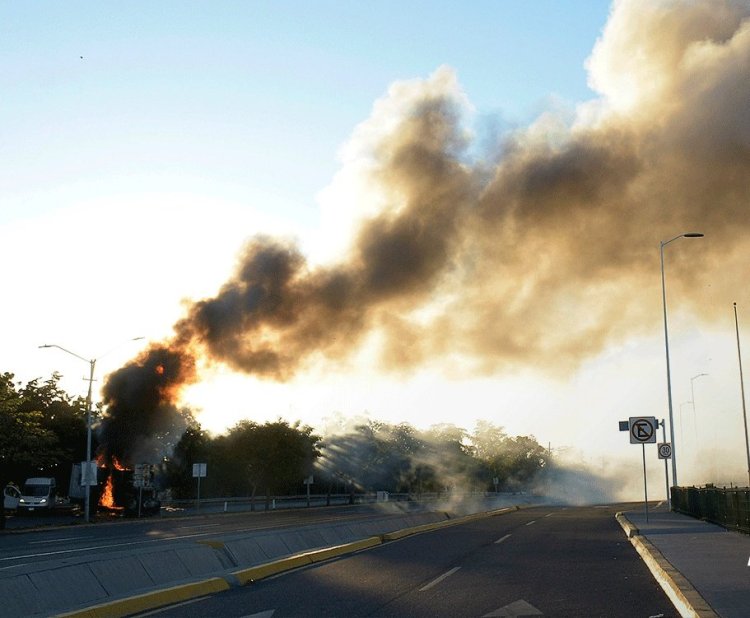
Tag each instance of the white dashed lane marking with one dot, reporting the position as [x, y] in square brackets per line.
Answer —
[437, 580]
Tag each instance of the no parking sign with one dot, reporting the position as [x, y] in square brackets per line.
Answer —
[642, 430]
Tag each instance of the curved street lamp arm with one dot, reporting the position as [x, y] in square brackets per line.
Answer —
[59, 347]
[684, 235]
[89, 360]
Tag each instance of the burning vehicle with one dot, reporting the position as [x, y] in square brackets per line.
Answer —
[119, 490]
[129, 491]
[141, 424]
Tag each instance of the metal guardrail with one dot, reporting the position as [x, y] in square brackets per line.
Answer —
[727, 507]
[261, 503]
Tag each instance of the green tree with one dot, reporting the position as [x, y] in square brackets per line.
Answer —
[487, 440]
[520, 460]
[448, 458]
[28, 442]
[274, 457]
[62, 415]
[194, 446]
[26, 445]
[370, 457]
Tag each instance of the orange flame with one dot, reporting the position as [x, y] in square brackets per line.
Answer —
[107, 498]
[116, 464]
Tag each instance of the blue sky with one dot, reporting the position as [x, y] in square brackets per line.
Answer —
[251, 100]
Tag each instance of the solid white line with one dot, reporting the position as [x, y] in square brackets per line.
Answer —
[533, 521]
[15, 566]
[436, 581]
[201, 526]
[69, 538]
[162, 609]
[500, 540]
[93, 547]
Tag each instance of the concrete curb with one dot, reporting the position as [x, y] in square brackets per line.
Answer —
[400, 534]
[686, 599]
[332, 552]
[150, 600]
[246, 576]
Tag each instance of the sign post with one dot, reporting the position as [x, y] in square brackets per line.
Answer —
[199, 471]
[643, 432]
[308, 481]
[141, 479]
[88, 474]
[645, 484]
[665, 453]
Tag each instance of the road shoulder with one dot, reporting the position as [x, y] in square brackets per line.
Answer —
[686, 599]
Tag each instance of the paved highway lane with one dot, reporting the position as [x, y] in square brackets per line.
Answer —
[50, 544]
[540, 561]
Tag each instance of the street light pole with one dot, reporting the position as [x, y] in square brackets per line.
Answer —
[692, 389]
[663, 244]
[682, 434]
[692, 401]
[92, 366]
[742, 389]
[87, 496]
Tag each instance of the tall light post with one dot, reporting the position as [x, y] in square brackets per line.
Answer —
[682, 435]
[692, 388]
[692, 400]
[92, 366]
[742, 389]
[663, 244]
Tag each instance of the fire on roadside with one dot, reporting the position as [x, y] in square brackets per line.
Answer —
[107, 497]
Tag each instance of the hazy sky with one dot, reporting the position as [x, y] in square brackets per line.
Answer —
[490, 179]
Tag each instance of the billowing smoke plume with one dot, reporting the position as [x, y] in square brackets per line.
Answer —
[538, 252]
[141, 411]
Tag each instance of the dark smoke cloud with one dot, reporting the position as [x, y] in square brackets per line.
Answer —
[140, 400]
[278, 310]
[538, 256]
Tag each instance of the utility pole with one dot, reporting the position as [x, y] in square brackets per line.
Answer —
[87, 495]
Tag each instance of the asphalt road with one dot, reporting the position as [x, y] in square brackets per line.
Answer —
[22, 547]
[541, 561]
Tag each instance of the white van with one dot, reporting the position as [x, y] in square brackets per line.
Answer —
[38, 494]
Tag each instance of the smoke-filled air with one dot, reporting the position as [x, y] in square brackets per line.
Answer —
[534, 249]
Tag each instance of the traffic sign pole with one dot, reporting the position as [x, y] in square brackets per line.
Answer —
[199, 470]
[643, 431]
[666, 466]
[645, 485]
